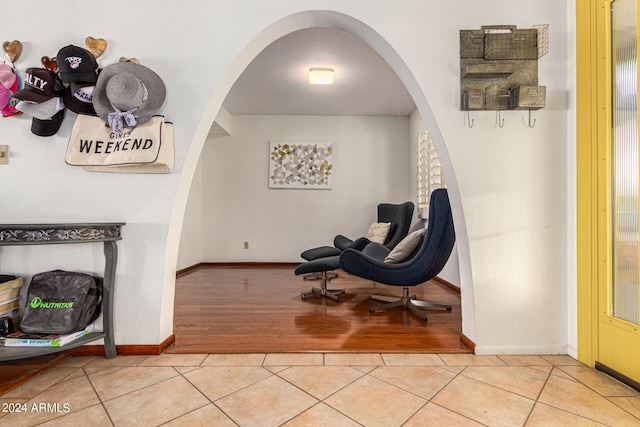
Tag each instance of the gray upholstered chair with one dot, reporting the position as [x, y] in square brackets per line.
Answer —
[421, 265]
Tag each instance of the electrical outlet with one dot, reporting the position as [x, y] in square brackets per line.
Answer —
[246, 245]
[4, 154]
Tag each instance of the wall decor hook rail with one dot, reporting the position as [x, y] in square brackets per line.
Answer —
[499, 69]
[534, 121]
[469, 119]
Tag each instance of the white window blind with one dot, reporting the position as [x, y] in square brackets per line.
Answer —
[429, 172]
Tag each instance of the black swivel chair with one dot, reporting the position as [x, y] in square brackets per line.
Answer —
[398, 215]
[424, 264]
[323, 259]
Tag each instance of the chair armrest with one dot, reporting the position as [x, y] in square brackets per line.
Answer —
[341, 242]
[365, 266]
[376, 250]
[359, 244]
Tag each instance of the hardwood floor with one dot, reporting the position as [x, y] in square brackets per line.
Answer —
[240, 308]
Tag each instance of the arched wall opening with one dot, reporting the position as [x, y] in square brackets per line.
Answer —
[289, 24]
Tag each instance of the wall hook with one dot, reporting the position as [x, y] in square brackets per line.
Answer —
[12, 50]
[499, 120]
[469, 119]
[534, 120]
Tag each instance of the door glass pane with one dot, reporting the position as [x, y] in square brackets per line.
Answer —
[625, 160]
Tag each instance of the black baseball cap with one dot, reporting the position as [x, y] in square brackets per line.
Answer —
[76, 64]
[47, 127]
[40, 85]
[78, 97]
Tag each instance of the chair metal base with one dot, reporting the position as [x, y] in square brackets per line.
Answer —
[318, 276]
[409, 302]
[323, 291]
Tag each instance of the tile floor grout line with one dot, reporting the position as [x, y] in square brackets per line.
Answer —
[464, 368]
[364, 374]
[637, 394]
[543, 385]
[537, 399]
[138, 389]
[621, 408]
[323, 399]
[416, 412]
[100, 400]
[457, 374]
[192, 411]
[222, 411]
[401, 388]
[27, 400]
[551, 405]
[206, 398]
[458, 413]
[586, 386]
[271, 374]
[504, 389]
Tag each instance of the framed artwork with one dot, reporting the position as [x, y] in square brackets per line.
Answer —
[300, 165]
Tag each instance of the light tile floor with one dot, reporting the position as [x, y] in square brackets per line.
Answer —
[321, 390]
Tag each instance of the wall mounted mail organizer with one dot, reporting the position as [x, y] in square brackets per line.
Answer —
[499, 68]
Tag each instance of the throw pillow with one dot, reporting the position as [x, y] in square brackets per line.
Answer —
[378, 232]
[405, 247]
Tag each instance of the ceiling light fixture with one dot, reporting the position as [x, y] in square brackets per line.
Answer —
[320, 76]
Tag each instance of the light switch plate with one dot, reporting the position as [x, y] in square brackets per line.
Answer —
[4, 154]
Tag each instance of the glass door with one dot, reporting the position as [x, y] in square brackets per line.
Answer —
[618, 296]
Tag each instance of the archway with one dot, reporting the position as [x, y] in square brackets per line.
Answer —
[289, 24]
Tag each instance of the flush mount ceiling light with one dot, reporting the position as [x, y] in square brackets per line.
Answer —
[320, 76]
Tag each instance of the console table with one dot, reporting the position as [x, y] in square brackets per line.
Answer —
[55, 234]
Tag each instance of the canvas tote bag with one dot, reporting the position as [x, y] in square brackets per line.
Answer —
[146, 148]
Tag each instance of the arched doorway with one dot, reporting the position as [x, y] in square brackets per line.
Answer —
[289, 24]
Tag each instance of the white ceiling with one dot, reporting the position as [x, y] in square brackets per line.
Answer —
[275, 83]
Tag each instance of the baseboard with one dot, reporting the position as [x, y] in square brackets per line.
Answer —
[251, 264]
[184, 271]
[167, 343]
[125, 350]
[468, 343]
[237, 265]
[447, 284]
[275, 265]
[487, 350]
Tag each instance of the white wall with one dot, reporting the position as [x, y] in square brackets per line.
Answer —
[191, 238]
[190, 248]
[451, 270]
[370, 164]
[302, 224]
[509, 186]
[571, 173]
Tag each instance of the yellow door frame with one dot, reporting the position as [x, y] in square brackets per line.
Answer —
[588, 164]
[593, 168]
